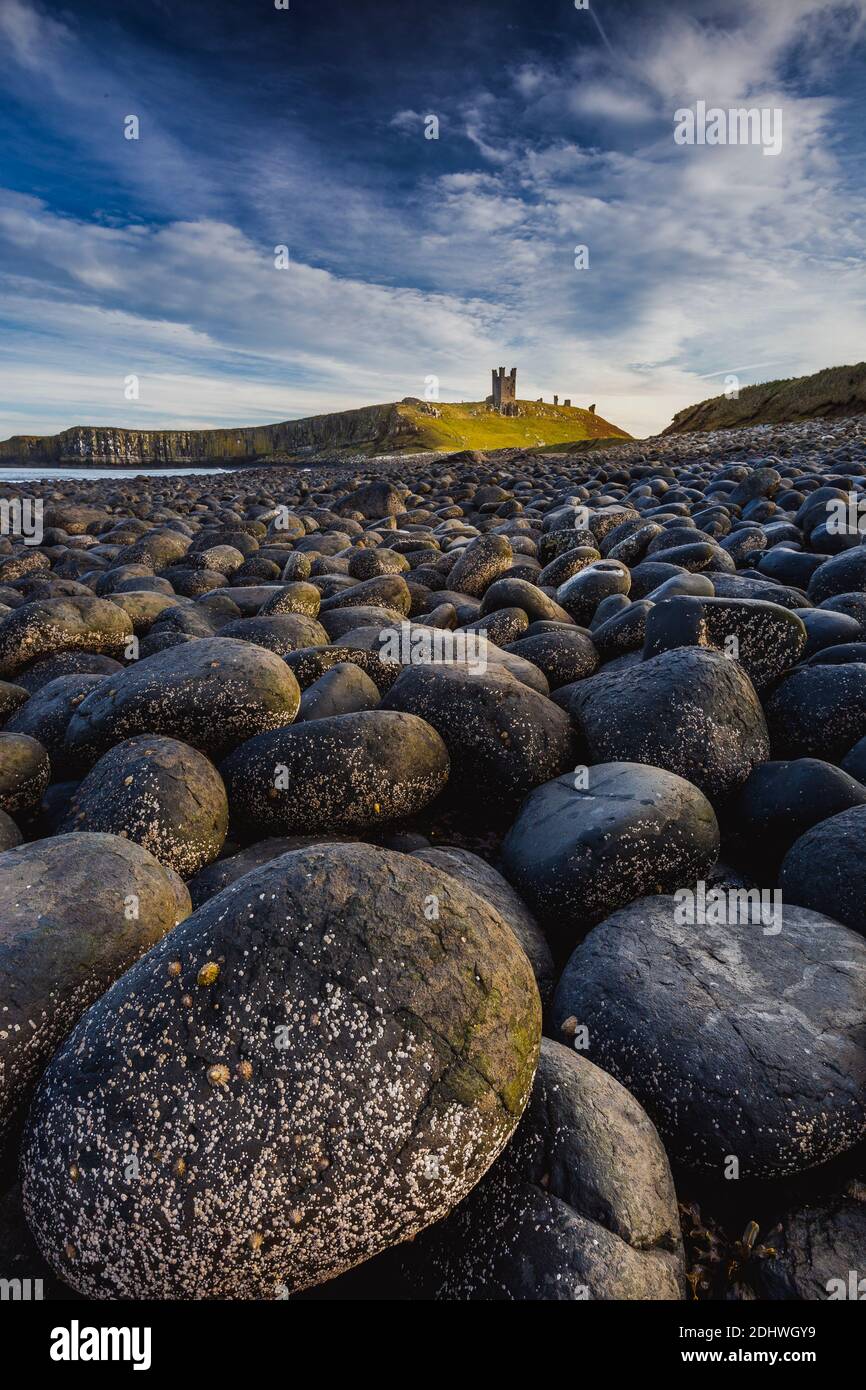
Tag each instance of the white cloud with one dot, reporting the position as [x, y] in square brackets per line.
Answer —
[408, 121]
[36, 41]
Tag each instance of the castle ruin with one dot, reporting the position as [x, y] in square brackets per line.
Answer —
[504, 398]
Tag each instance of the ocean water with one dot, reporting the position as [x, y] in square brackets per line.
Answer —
[35, 475]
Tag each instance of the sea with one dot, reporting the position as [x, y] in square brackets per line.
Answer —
[15, 474]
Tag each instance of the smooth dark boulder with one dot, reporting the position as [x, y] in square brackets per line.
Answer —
[521, 593]
[825, 869]
[12, 697]
[742, 1040]
[47, 713]
[372, 500]
[854, 762]
[278, 632]
[339, 773]
[623, 632]
[594, 840]
[483, 879]
[214, 694]
[765, 638]
[581, 595]
[309, 664]
[222, 873]
[482, 562]
[581, 1206]
[744, 586]
[295, 597]
[160, 793]
[25, 772]
[692, 711]
[77, 910]
[845, 654]
[344, 689]
[564, 656]
[843, 574]
[825, 630]
[48, 626]
[780, 801]
[818, 712]
[10, 835]
[503, 738]
[342, 1068]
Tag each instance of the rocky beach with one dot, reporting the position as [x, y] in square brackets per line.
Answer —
[440, 878]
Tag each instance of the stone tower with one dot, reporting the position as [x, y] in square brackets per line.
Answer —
[505, 391]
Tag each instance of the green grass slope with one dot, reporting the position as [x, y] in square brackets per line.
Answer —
[831, 394]
[472, 425]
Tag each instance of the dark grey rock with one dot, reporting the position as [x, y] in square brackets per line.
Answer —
[594, 840]
[691, 711]
[160, 793]
[483, 879]
[740, 1040]
[342, 1070]
[77, 910]
[213, 693]
[348, 771]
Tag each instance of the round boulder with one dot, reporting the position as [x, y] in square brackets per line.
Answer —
[77, 910]
[818, 712]
[564, 656]
[278, 632]
[581, 1205]
[826, 868]
[338, 773]
[478, 566]
[25, 772]
[160, 793]
[743, 1040]
[483, 879]
[49, 626]
[10, 835]
[310, 1070]
[503, 738]
[344, 689]
[47, 713]
[595, 839]
[780, 801]
[12, 697]
[212, 693]
[691, 711]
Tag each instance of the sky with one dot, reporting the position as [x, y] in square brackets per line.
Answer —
[416, 264]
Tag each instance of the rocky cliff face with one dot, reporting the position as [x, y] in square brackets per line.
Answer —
[359, 431]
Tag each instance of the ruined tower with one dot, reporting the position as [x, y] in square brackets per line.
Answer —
[504, 397]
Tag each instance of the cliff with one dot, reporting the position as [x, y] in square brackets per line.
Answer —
[403, 427]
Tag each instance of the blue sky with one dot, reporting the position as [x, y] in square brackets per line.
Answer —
[410, 257]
